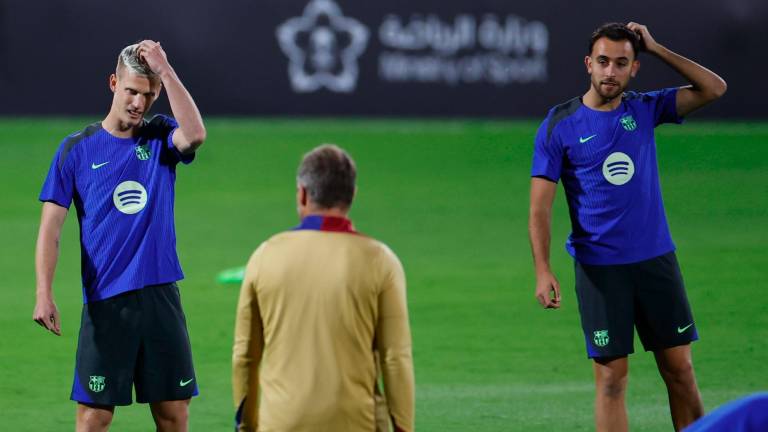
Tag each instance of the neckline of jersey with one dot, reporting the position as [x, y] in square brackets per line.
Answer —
[618, 110]
[131, 140]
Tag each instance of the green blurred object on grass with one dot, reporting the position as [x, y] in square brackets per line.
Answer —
[231, 276]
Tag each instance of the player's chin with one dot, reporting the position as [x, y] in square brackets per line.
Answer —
[133, 118]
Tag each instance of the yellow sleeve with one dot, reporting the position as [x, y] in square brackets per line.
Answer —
[247, 349]
[393, 341]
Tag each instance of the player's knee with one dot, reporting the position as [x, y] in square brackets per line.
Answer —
[91, 419]
[678, 372]
[612, 383]
[172, 419]
[613, 388]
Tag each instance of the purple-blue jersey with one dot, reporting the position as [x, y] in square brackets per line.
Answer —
[607, 163]
[123, 190]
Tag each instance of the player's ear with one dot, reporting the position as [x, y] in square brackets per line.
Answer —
[301, 195]
[588, 64]
[635, 68]
[113, 82]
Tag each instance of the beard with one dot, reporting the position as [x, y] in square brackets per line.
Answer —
[609, 89]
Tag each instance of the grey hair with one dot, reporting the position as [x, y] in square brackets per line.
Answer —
[129, 58]
[328, 173]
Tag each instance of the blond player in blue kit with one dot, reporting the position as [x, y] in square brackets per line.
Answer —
[120, 174]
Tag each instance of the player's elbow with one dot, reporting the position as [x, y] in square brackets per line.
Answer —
[716, 90]
[197, 138]
[720, 88]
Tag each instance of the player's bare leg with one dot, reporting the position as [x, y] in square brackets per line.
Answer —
[676, 367]
[610, 388]
[93, 418]
[171, 416]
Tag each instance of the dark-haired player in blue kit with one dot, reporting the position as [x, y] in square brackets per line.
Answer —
[602, 147]
[120, 173]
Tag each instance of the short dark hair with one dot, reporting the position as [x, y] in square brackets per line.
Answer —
[328, 173]
[616, 32]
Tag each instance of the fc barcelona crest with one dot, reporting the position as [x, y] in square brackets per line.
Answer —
[142, 152]
[601, 338]
[628, 123]
[96, 383]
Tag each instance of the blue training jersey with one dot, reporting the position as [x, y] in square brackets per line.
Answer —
[607, 163]
[123, 190]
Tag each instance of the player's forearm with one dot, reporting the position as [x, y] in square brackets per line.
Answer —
[399, 386]
[702, 80]
[245, 389]
[540, 236]
[184, 111]
[46, 258]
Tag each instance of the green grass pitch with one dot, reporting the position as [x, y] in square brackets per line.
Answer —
[451, 199]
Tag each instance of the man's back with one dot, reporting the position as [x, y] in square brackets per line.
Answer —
[326, 300]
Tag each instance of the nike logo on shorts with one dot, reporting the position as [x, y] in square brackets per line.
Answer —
[182, 383]
[682, 329]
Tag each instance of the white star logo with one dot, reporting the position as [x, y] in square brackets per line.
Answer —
[322, 46]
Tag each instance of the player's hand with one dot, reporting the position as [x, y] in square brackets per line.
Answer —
[152, 53]
[47, 315]
[647, 42]
[548, 290]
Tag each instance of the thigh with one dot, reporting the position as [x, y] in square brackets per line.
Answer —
[606, 306]
[107, 350]
[165, 371]
[663, 314]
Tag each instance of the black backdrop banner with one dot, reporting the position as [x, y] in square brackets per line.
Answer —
[496, 58]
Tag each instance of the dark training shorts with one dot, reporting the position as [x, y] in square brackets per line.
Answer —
[648, 295]
[135, 338]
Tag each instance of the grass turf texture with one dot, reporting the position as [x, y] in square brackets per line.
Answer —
[451, 198]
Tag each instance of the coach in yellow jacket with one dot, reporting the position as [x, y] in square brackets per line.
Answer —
[316, 303]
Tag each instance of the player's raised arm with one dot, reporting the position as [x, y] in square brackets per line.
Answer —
[46, 256]
[705, 85]
[539, 220]
[191, 132]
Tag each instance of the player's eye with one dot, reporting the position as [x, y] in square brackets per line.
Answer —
[131, 92]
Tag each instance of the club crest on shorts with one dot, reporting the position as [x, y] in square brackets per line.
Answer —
[97, 383]
[601, 338]
[142, 152]
[628, 123]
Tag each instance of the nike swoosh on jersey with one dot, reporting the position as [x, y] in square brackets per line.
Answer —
[182, 383]
[583, 140]
[682, 329]
[94, 166]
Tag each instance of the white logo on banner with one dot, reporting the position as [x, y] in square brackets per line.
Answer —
[322, 47]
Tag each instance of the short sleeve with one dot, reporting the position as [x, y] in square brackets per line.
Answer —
[168, 127]
[664, 105]
[59, 185]
[547, 153]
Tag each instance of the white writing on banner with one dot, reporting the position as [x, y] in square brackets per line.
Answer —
[492, 49]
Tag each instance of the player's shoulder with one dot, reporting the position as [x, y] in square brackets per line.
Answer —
[559, 113]
[647, 97]
[73, 140]
[158, 126]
